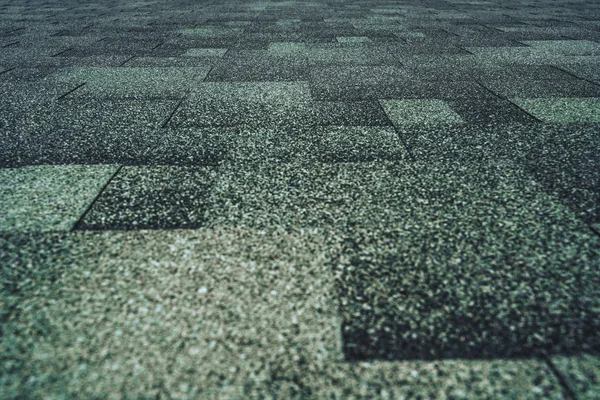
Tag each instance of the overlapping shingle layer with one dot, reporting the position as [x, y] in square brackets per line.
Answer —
[300, 199]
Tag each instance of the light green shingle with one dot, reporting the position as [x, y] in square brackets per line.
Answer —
[420, 112]
[562, 110]
[48, 198]
[204, 53]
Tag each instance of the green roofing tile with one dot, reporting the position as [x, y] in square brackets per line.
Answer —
[582, 373]
[353, 39]
[287, 48]
[566, 47]
[246, 103]
[134, 82]
[359, 143]
[475, 261]
[420, 112]
[333, 53]
[412, 34]
[262, 92]
[204, 52]
[157, 197]
[562, 110]
[113, 312]
[288, 22]
[452, 379]
[48, 198]
[301, 195]
[323, 199]
[376, 25]
[211, 31]
[363, 55]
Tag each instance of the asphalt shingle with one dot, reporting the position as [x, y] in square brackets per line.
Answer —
[581, 373]
[213, 104]
[87, 131]
[166, 197]
[133, 82]
[48, 198]
[348, 199]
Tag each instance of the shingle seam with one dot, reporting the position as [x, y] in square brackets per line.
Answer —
[404, 142]
[565, 385]
[77, 224]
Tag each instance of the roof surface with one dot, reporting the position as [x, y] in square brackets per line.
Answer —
[300, 199]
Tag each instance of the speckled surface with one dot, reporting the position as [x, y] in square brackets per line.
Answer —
[562, 110]
[300, 199]
[492, 112]
[152, 197]
[360, 143]
[581, 373]
[48, 198]
[562, 158]
[86, 131]
[213, 313]
[205, 52]
[303, 194]
[541, 89]
[420, 112]
[257, 65]
[461, 242]
[133, 82]
[230, 319]
[584, 70]
[213, 104]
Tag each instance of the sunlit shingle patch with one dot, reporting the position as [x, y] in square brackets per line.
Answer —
[175, 305]
[250, 103]
[354, 39]
[562, 110]
[206, 52]
[417, 112]
[48, 198]
[287, 48]
[211, 31]
[412, 35]
[566, 47]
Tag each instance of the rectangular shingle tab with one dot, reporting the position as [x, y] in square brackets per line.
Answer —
[461, 242]
[48, 198]
[420, 112]
[235, 103]
[562, 110]
[133, 82]
[168, 197]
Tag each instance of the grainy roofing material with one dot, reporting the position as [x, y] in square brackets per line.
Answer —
[300, 199]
